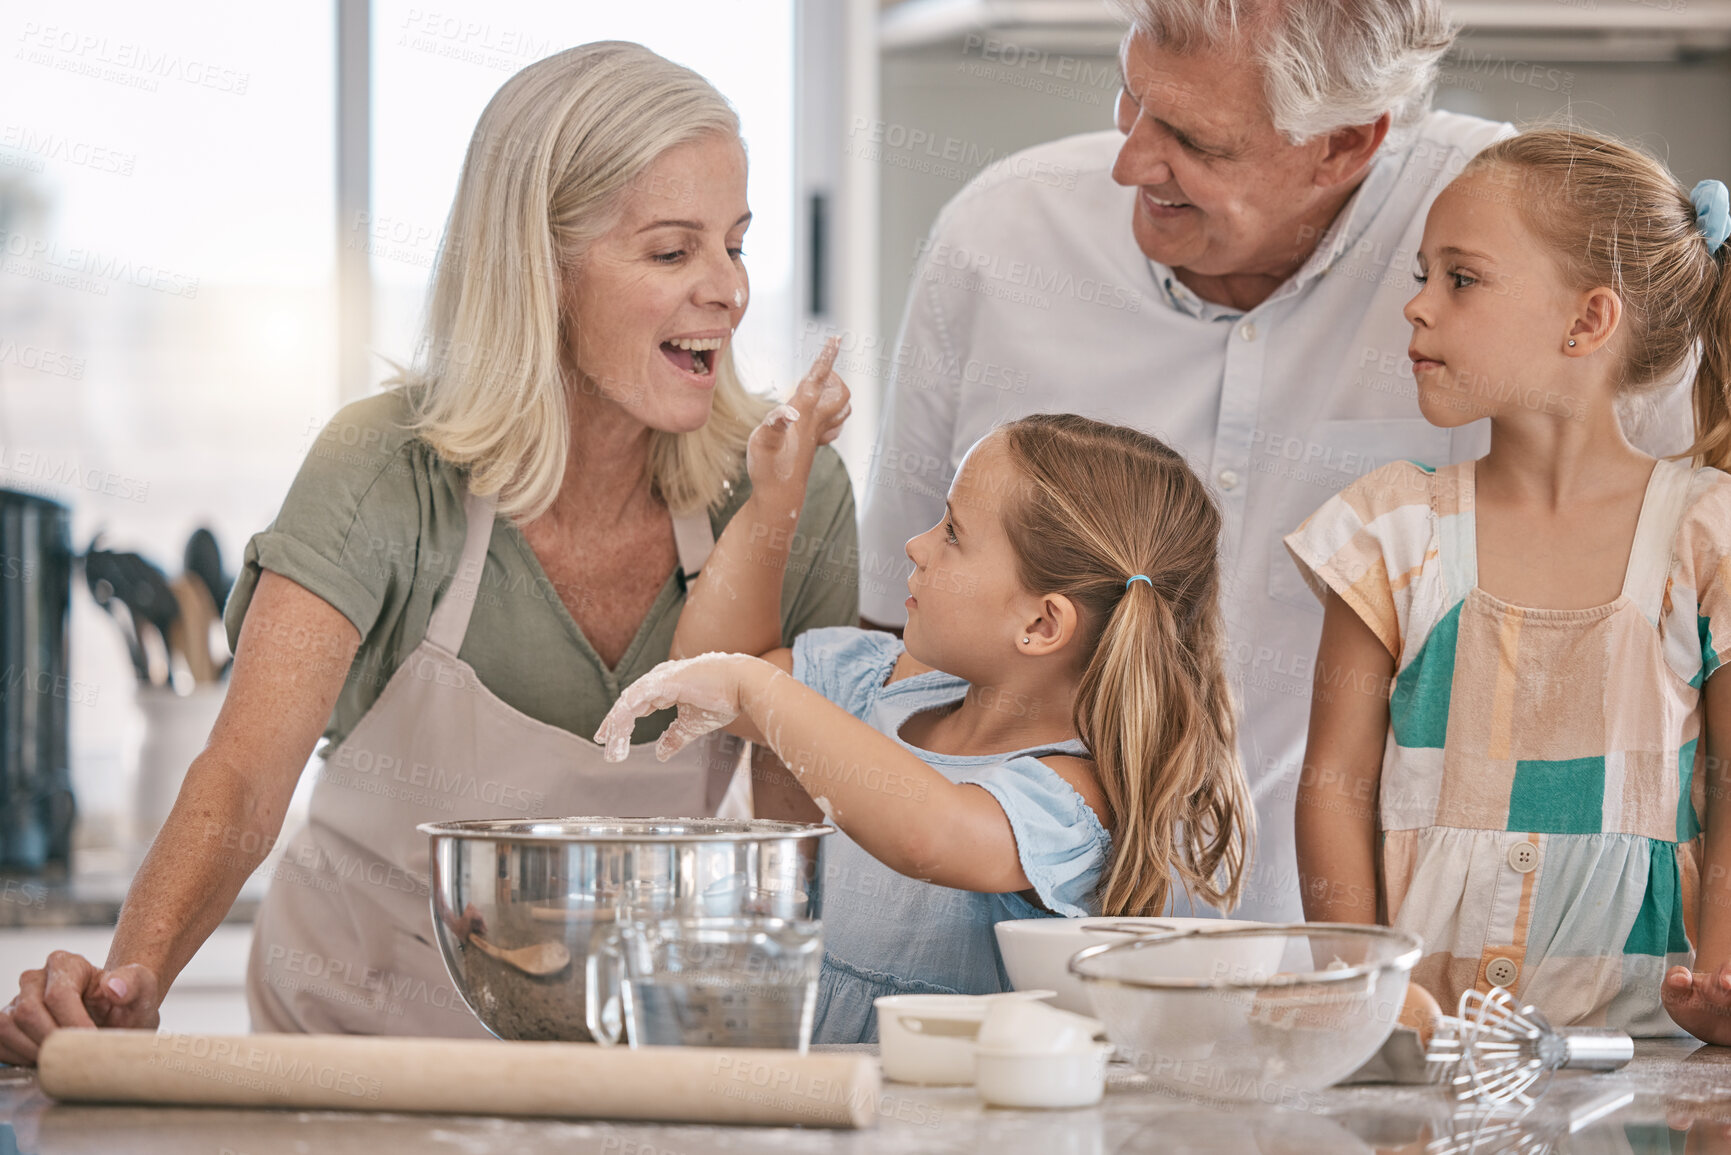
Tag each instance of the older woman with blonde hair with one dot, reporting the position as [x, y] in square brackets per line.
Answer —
[471, 565]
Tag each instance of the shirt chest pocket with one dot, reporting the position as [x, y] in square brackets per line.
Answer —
[1302, 473]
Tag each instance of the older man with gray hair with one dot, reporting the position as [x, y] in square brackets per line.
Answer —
[1226, 271]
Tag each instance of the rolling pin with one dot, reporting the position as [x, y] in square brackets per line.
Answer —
[461, 1076]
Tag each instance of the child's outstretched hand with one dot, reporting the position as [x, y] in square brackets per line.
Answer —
[705, 688]
[1700, 1002]
[778, 456]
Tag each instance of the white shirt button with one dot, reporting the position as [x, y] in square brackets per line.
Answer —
[1228, 479]
[1248, 330]
[1502, 972]
[1524, 857]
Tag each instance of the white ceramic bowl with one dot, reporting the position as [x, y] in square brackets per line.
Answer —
[1037, 951]
[930, 1038]
[1077, 1078]
[1031, 1026]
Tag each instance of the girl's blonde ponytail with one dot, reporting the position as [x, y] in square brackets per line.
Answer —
[1713, 376]
[1105, 503]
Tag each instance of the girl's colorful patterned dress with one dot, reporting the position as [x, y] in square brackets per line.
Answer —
[1541, 797]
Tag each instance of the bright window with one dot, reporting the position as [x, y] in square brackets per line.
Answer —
[166, 304]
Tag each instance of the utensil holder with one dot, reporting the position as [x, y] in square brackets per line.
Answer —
[176, 727]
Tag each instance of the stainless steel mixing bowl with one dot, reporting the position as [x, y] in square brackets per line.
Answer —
[517, 904]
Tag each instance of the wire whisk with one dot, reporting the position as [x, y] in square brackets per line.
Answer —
[1493, 1053]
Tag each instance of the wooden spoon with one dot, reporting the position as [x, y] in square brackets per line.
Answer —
[543, 958]
[189, 633]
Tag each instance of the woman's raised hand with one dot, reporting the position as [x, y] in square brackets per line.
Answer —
[705, 688]
[778, 457]
[71, 991]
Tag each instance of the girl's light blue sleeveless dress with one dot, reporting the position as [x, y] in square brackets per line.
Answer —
[888, 934]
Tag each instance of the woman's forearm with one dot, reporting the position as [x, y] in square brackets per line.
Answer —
[735, 605]
[215, 837]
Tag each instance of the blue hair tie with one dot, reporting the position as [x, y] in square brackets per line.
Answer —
[1712, 212]
[1138, 577]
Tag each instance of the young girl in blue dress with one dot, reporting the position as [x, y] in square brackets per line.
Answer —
[1054, 736]
[1520, 733]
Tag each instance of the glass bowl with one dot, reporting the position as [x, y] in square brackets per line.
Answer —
[1268, 1014]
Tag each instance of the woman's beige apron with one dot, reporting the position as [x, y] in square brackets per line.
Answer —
[343, 940]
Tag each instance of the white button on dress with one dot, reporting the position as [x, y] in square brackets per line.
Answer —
[1502, 972]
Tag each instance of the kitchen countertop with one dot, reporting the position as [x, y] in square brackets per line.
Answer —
[1674, 1097]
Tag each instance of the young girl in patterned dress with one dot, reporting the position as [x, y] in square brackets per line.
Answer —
[1054, 737]
[1517, 738]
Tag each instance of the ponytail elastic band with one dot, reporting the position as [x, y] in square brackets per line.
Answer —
[1138, 577]
[1712, 212]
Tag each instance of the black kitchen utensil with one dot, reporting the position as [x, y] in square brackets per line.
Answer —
[116, 608]
[137, 585]
[204, 562]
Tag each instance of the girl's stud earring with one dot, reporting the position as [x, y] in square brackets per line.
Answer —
[1024, 641]
[1571, 342]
